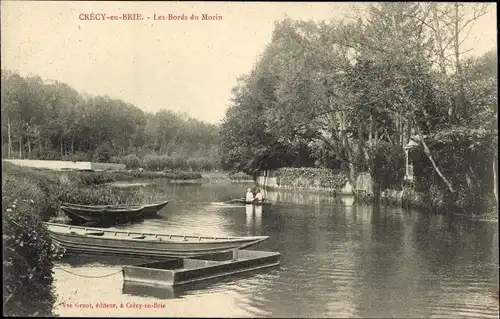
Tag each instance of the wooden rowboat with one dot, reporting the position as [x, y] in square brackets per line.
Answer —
[76, 239]
[153, 209]
[147, 211]
[103, 213]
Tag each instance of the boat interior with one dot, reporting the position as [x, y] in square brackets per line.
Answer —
[85, 231]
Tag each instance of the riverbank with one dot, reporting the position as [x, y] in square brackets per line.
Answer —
[334, 182]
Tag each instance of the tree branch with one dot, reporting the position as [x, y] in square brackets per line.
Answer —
[10, 296]
[429, 155]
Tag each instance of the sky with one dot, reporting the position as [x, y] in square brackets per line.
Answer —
[186, 66]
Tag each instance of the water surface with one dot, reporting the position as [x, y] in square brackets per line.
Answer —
[338, 259]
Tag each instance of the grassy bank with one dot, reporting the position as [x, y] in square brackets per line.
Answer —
[431, 202]
[98, 178]
[48, 189]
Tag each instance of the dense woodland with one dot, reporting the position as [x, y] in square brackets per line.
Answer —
[350, 94]
[50, 120]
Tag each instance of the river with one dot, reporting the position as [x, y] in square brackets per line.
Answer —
[338, 259]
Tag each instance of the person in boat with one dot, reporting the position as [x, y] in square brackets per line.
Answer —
[258, 196]
[249, 196]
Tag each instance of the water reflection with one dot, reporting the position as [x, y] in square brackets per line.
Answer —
[254, 219]
[202, 287]
[347, 200]
[284, 196]
[72, 260]
[157, 292]
[258, 217]
[249, 209]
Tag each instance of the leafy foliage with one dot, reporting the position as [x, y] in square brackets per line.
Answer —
[28, 251]
[389, 166]
[350, 95]
[466, 155]
[239, 176]
[311, 177]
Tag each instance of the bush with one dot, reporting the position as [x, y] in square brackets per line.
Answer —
[103, 153]
[27, 184]
[48, 155]
[131, 161]
[465, 157]
[200, 163]
[95, 178]
[389, 166]
[156, 163]
[28, 260]
[116, 160]
[77, 157]
[239, 176]
[311, 177]
[179, 163]
[95, 195]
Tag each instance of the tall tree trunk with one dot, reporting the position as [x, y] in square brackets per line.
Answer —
[495, 181]
[408, 131]
[29, 146]
[73, 144]
[21, 147]
[370, 134]
[39, 139]
[9, 151]
[61, 147]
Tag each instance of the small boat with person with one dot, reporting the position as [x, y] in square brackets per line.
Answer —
[90, 240]
[242, 201]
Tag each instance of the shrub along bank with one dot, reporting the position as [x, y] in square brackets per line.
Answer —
[311, 178]
[28, 260]
[98, 178]
[153, 162]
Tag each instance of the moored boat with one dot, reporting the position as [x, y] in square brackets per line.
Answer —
[77, 239]
[101, 213]
[148, 210]
[153, 209]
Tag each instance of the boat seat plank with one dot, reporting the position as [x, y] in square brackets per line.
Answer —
[94, 233]
[137, 237]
